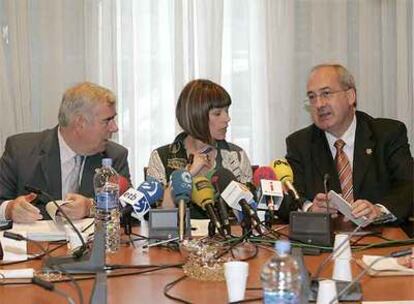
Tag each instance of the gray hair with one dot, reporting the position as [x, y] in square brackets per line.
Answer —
[345, 78]
[81, 99]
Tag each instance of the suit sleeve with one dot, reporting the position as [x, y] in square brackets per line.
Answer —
[8, 173]
[121, 164]
[399, 163]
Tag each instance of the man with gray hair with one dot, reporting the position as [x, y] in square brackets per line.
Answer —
[62, 161]
[367, 159]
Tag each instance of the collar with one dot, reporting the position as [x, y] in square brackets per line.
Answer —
[66, 153]
[348, 137]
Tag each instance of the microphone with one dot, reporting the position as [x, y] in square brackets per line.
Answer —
[78, 253]
[264, 179]
[237, 196]
[138, 202]
[222, 207]
[96, 259]
[203, 196]
[51, 287]
[356, 280]
[181, 183]
[123, 184]
[284, 173]
[336, 250]
[38, 281]
[325, 187]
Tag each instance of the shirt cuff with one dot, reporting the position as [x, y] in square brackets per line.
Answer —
[306, 206]
[386, 216]
[3, 207]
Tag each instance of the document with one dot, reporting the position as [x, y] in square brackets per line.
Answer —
[49, 230]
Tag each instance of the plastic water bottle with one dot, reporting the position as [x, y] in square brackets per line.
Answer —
[281, 280]
[107, 204]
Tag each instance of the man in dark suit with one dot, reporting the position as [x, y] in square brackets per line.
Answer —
[62, 160]
[374, 160]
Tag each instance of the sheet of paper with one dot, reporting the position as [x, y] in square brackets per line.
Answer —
[385, 264]
[48, 230]
[13, 250]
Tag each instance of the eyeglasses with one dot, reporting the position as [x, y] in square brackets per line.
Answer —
[324, 95]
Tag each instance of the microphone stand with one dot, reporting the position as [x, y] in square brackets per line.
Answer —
[37, 280]
[126, 215]
[78, 253]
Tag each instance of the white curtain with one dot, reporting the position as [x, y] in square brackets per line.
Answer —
[146, 50]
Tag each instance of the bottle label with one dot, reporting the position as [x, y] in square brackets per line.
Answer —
[280, 298]
[106, 200]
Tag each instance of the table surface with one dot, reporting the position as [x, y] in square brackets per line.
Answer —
[148, 288]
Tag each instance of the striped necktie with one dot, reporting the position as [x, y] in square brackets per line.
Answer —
[344, 170]
[74, 175]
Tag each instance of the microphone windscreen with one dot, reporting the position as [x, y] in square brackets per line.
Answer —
[263, 173]
[203, 191]
[152, 190]
[282, 170]
[222, 178]
[123, 184]
[181, 183]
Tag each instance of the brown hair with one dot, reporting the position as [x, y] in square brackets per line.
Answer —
[194, 103]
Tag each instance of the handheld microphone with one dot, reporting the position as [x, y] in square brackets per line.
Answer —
[270, 193]
[124, 184]
[220, 173]
[78, 253]
[181, 186]
[203, 196]
[237, 196]
[138, 202]
[284, 173]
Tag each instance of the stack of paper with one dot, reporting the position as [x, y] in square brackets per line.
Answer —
[48, 230]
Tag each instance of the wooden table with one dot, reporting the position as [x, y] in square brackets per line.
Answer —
[148, 288]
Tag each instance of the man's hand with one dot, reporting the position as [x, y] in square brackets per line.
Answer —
[365, 208]
[77, 206]
[21, 210]
[407, 261]
[319, 204]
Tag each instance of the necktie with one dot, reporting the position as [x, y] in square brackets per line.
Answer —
[344, 170]
[74, 175]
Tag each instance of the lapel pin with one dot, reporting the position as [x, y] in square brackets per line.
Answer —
[368, 151]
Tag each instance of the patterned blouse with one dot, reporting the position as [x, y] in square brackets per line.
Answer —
[166, 159]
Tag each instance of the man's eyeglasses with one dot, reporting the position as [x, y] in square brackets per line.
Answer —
[324, 95]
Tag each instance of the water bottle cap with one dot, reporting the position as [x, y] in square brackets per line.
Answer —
[106, 162]
[282, 246]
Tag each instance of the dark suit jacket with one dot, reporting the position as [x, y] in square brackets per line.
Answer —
[382, 168]
[34, 159]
